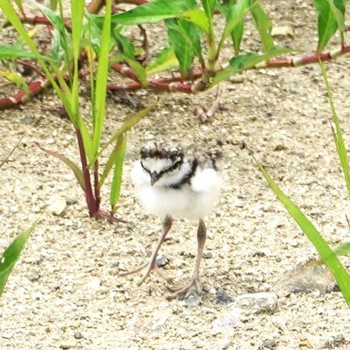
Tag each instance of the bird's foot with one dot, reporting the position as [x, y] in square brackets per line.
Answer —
[184, 291]
[148, 266]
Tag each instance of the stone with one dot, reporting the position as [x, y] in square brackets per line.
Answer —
[57, 206]
[222, 297]
[256, 303]
[282, 31]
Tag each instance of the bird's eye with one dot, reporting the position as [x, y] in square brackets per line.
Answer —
[175, 166]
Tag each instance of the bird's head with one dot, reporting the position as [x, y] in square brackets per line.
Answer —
[161, 162]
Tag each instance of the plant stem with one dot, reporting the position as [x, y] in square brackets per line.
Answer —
[96, 188]
[91, 201]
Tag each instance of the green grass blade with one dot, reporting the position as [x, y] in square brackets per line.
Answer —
[184, 37]
[118, 170]
[234, 18]
[197, 17]
[16, 78]
[53, 4]
[337, 133]
[101, 80]
[12, 16]
[209, 6]
[326, 253]
[109, 165]
[247, 61]
[71, 165]
[11, 255]
[330, 18]
[124, 128]
[77, 10]
[19, 4]
[13, 52]
[153, 11]
[263, 25]
[343, 249]
[163, 61]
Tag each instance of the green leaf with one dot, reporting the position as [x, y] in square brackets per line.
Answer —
[153, 12]
[337, 133]
[164, 60]
[99, 108]
[330, 18]
[19, 4]
[13, 52]
[263, 25]
[109, 165]
[53, 17]
[127, 50]
[326, 253]
[125, 127]
[208, 6]
[184, 37]
[12, 16]
[17, 79]
[61, 89]
[234, 14]
[197, 17]
[247, 61]
[77, 14]
[343, 249]
[86, 137]
[124, 44]
[53, 4]
[236, 36]
[71, 165]
[139, 70]
[11, 255]
[118, 170]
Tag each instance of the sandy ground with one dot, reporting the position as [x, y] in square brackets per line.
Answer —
[66, 292]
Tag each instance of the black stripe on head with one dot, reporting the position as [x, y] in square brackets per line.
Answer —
[162, 152]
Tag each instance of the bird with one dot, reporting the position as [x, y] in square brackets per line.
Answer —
[170, 183]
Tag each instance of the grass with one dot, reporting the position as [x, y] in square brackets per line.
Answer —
[327, 254]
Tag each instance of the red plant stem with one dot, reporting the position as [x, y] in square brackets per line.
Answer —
[92, 203]
[32, 20]
[96, 188]
[300, 61]
[124, 71]
[174, 83]
[31, 67]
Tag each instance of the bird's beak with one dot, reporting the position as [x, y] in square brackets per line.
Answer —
[154, 178]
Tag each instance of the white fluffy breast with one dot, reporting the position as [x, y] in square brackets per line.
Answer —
[193, 200]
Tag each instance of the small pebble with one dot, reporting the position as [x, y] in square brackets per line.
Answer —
[193, 299]
[57, 206]
[162, 261]
[207, 255]
[28, 120]
[268, 344]
[33, 277]
[78, 335]
[222, 298]
[67, 345]
[256, 303]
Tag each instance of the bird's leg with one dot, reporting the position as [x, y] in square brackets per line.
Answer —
[151, 264]
[194, 281]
